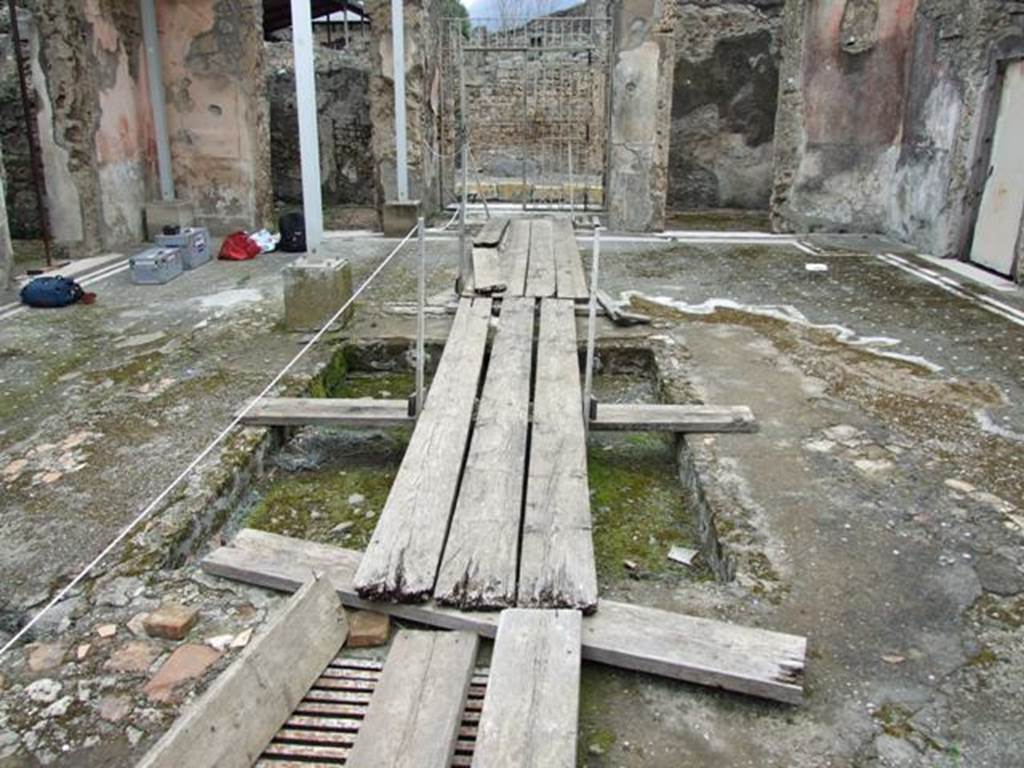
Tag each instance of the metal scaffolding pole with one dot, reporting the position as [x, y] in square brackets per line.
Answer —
[155, 76]
[401, 150]
[309, 139]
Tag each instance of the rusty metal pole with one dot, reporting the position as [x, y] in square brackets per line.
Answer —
[30, 134]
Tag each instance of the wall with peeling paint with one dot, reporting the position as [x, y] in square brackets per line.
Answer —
[217, 109]
[881, 123]
[89, 74]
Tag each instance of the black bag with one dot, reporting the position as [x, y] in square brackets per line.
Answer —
[51, 292]
[293, 233]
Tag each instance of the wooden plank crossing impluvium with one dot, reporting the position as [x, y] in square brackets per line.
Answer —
[569, 278]
[338, 412]
[478, 569]
[611, 417]
[416, 709]
[749, 660]
[403, 555]
[531, 708]
[556, 566]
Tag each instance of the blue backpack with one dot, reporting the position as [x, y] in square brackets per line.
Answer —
[51, 292]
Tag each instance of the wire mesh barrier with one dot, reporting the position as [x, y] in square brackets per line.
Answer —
[532, 100]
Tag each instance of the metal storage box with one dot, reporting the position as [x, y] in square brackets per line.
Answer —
[156, 266]
[193, 242]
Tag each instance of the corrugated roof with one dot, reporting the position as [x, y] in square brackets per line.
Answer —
[277, 14]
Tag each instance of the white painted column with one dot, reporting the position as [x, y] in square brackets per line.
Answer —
[309, 139]
[155, 76]
[398, 49]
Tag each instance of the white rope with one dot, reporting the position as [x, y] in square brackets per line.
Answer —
[204, 453]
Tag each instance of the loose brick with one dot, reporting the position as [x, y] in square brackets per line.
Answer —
[367, 629]
[171, 621]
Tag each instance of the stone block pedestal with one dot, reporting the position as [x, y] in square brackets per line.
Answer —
[400, 217]
[314, 291]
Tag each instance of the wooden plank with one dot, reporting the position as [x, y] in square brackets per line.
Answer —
[487, 277]
[478, 569]
[514, 257]
[556, 566]
[540, 273]
[656, 417]
[491, 233]
[361, 412]
[616, 314]
[531, 709]
[268, 676]
[415, 713]
[758, 662]
[403, 555]
[570, 281]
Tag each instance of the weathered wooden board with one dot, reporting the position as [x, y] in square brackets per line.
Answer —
[611, 417]
[416, 710]
[705, 651]
[487, 277]
[403, 555]
[531, 708]
[556, 566]
[268, 677]
[478, 569]
[570, 281]
[540, 274]
[616, 314]
[514, 257]
[650, 417]
[491, 233]
[339, 412]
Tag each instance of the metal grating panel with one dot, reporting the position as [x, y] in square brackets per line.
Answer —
[325, 724]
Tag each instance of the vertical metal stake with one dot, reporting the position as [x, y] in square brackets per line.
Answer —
[398, 49]
[572, 200]
[464, 137]
[420, 319]
[588, 382]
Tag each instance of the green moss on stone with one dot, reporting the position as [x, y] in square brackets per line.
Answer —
[637, 507]
[311, 505]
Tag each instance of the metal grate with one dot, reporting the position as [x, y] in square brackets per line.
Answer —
[533, 101]
[325, 724]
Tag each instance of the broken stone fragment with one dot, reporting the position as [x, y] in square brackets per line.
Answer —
[136, 656]
[187, 663]
[242, 639]
[114, 709]
[367, 629]
[45, 656]
[137, 624]
[171, 621]
[220, 642]
[106, 630]
[82, 651]
[59, 708]
[44, 691]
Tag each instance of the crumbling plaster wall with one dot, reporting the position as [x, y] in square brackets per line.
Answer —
[343, 105]
[724, 97]
[218, 114]
[880, 126]
[641, 107]
[423, 93]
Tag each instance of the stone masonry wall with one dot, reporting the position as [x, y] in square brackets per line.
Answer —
[724, 96]
[882, 115]
[343, 104]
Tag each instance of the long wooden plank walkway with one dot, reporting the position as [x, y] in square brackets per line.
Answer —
[405, 550]
[556, 567]
[481, 555]
[536, 257]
